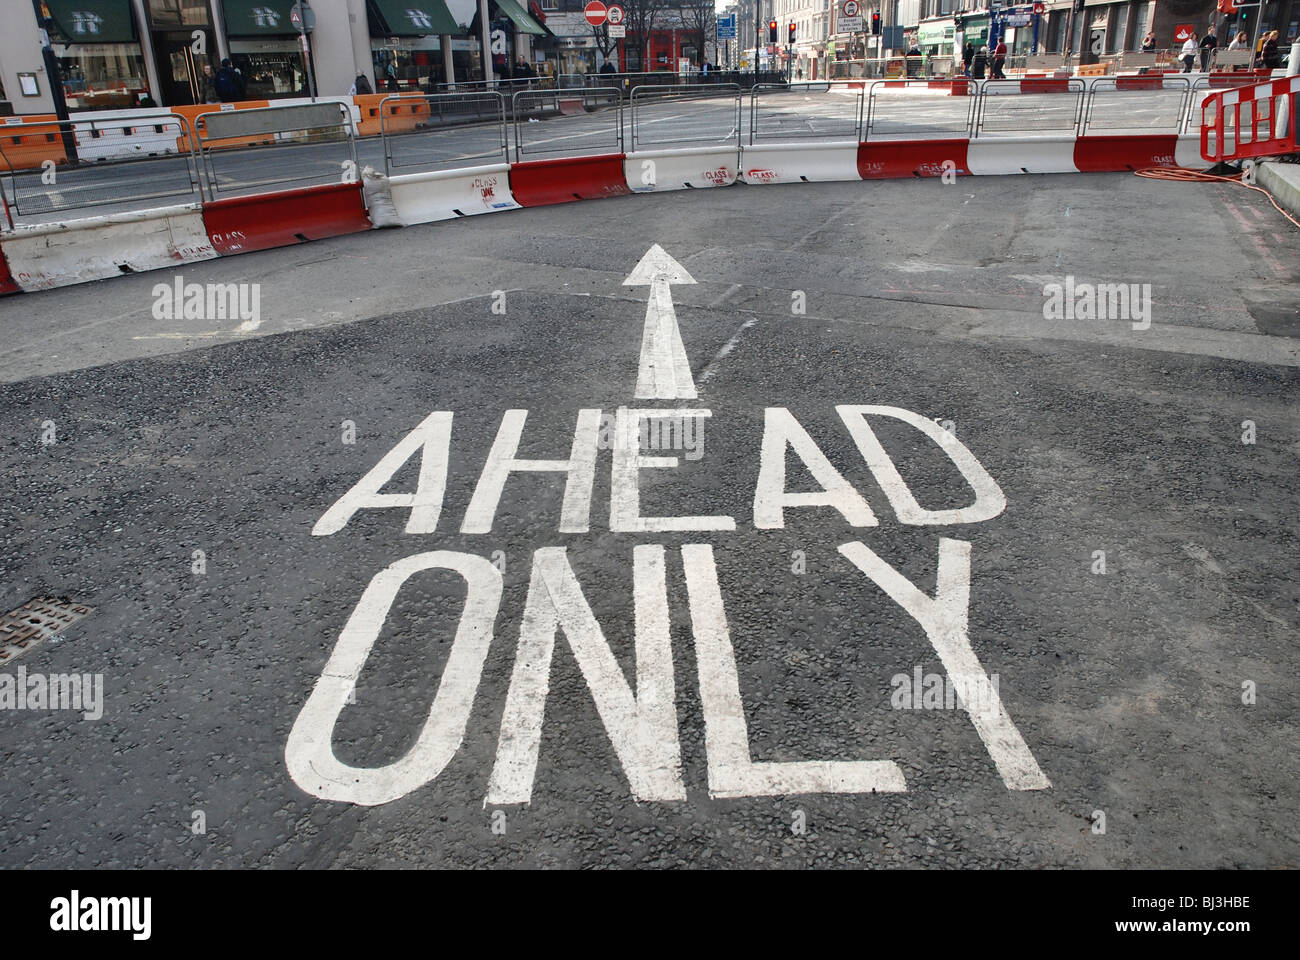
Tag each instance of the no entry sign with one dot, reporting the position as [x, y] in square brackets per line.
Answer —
[595, 13]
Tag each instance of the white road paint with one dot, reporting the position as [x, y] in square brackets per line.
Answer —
[732, 772]
[309, 752]
[642, 727]
[782, 430]
[989, 499]
[625, 490]
[432, 439]
[665, 372]
[501, 462]
[727, 347]
[945, 621]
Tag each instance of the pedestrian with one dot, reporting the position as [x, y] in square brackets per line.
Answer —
[1238, 42]
[1209, 43]
[999, 60]
[607, 67]
[1190, 48]
[229, 83]
[967, 55]
[361, 86]
[978, 63]
[210, 94]
[1269, 53]
[1149, 42]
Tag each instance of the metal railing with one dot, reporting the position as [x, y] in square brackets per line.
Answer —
[291, 136]
[592, 115]
[793, 112]
[710, 114]
[53, 167]
[48, 170]
[406, 136]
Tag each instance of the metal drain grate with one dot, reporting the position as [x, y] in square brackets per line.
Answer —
[35, 622]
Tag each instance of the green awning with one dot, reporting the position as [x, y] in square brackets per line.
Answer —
[93, 21]
[259, 18]
[519, 17]
[410, 18]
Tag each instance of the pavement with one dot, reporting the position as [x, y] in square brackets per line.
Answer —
[1122, 492]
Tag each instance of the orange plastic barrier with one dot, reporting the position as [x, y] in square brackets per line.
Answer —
[399, 115]
[27, 145]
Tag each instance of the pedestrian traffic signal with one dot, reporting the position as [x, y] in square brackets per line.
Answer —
[792, 32]
[771, 31]
[875, 21]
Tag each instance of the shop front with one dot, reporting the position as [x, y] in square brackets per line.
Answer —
[936, 38]
[101, 59]
[265, 48]
[406, 45]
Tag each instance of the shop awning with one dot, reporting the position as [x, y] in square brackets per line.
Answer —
[258, 18]
[410, 18]
[519, 17]
[93, 21]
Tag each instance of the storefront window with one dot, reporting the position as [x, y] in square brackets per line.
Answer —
[409, 64]
[102, 76]
[272, 69]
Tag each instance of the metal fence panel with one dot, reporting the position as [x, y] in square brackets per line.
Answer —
[1006, 108]
[51, 168]
[902, 113]
[277, 148]
[665, 115]
[578, 122]
[804, 111]
[414, 131]
[1158, 108]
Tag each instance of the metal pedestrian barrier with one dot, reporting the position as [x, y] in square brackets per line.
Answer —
[675, 115]
[415, 139]
[792, 113]
[271, 147]
[579, 120]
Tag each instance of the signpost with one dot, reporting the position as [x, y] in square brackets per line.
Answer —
[595, 12]
[614, 19]
[303, 19]
[726, 33]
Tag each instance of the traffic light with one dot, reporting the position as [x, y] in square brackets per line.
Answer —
[792, 31]
[771, 31]
[875, 21]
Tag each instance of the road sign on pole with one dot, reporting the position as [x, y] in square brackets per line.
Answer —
[850, 20]
[614, 15]
[727, 27]
[595, 13]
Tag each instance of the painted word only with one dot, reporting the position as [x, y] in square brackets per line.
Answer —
[641, 722]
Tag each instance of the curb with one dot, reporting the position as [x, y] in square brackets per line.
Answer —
[1282, 180]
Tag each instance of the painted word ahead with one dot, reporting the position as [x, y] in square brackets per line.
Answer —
[641, 720]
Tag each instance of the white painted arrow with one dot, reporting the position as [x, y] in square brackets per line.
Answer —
[665, 373]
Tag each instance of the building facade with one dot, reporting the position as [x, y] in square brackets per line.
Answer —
[122, 53]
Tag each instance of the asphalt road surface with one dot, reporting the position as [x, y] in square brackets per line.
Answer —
[653, 121]
[1090, 523]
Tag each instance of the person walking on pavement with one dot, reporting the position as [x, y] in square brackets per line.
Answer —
[1238, 42]
[999, 60]
[967, 55]
[210, 94]
[229, 83]
[1268, 52]
[1149, 42]
[1190, 48]
[361, 86]
[1209, 43]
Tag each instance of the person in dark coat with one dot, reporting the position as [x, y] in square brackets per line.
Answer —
[978, 64]
[229, 83]
[967, 55]
[1209, 43]
[363, 85]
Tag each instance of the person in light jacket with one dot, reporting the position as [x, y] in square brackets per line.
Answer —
[1190, 48]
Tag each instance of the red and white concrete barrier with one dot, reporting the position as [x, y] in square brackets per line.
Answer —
[440, 195]
[799, 162]
[649, 171]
